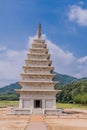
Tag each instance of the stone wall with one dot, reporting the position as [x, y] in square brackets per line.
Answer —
[27, 101]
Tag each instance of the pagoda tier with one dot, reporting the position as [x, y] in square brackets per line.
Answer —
[38, 56]
[39, 50]
[40, 45]
[38, 62]
[38, 69]
[52, 92]
[38, 83]
[39, 41]
[37, 77]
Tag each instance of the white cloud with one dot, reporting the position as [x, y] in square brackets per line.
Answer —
[78, 14]
[83, 60]
[82, 66]
[31, 40]
[11, 63]
[2, 48]
[65, 62]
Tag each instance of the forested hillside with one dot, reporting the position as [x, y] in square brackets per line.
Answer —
[75, 92]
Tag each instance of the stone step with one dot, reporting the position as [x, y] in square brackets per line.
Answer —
[37, 111]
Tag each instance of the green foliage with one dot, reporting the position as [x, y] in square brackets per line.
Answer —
[81, 98]
[9, 96]
[75, 92]
[69, 105]
[5, 103]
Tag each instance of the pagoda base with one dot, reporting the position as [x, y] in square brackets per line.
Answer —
[36, 111]
[50, 111]
[21, 111]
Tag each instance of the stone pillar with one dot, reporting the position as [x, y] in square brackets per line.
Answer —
[54, 103]
[20, 103]
[32, 103]
[43, 103]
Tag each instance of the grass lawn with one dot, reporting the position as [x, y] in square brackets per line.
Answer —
[5, 103]
[68, 105]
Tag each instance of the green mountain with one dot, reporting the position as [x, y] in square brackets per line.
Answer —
[10, 88]
[64, 79]
[8, 93]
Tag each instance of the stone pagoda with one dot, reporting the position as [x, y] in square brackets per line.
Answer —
[37, 93]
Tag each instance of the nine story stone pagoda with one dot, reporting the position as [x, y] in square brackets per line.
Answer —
[37, 93]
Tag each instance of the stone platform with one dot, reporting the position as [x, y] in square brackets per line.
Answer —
[36, 111]
[52, 111]
[21, 111]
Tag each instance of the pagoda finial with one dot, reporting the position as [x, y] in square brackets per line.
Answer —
[39, 30]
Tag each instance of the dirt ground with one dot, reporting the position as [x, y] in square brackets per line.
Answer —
[12, 122]
[73, 119]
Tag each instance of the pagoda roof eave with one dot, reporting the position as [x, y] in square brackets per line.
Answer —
[50, 68]
[38, 67]
[30, 90]
[41, 40]
[38, 54]
[45, 60]
[39, 82]
[36, 74]
[39, 48]
[35, 90]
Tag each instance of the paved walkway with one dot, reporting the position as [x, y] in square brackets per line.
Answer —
[36, 123]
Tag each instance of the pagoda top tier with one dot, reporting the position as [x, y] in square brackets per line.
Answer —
[39, 39]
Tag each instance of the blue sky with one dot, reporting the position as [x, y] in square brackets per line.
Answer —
[64, 23]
